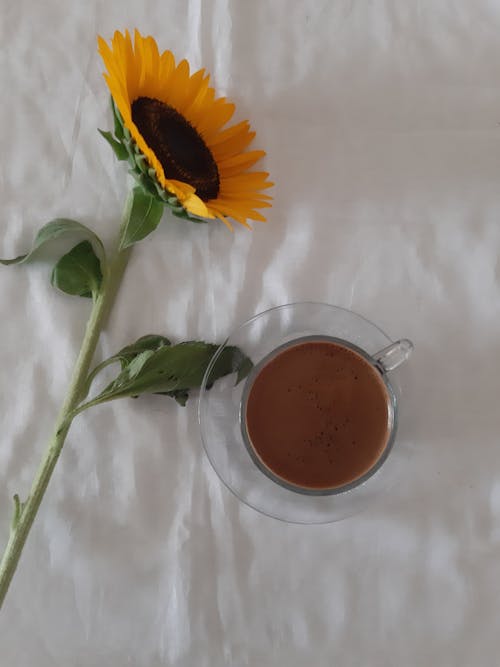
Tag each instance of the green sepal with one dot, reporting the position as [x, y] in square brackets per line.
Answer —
[145, 183]
[118, 123]
[142, 163]
[180, 213]
[118, 148]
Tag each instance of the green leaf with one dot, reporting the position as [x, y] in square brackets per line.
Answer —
[56, 229]
[169, 369]
[181, 396]
[148, 342]
[244, 369]
[126, 355]
[118, 148]
[143, 215]
[231, 359]
[133, 369]
[172, 370]
[78, 272]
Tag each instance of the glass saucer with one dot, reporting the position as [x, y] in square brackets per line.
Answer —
[219, 414]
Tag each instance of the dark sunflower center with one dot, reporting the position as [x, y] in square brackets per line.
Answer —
[182, 152]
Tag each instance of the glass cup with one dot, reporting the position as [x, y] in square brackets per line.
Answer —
[223, 424]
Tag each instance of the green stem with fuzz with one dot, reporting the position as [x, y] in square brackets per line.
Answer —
[25, 513]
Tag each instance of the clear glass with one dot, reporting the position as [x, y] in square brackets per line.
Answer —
[220, 412]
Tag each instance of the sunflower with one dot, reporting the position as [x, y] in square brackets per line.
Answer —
[171, 128]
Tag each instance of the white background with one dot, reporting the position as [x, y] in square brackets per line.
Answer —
[382, 125]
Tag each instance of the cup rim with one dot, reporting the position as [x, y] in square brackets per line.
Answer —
[392, 405]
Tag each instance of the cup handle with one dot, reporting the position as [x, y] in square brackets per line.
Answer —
[393, 355]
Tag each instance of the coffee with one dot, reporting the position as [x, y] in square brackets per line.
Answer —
[318, 415]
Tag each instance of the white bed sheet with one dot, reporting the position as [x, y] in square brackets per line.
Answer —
[381, 120]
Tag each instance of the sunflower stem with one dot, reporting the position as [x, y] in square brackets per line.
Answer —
[25, 513]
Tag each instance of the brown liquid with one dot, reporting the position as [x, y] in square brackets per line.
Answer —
[317, 415]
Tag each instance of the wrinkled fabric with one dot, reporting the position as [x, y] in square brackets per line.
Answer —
[381, 121]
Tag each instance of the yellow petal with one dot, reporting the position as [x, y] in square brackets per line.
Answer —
[177, 86]
[243, 201]
[167, 66]
[184, 188]
[234, 212]
[215, 118]
[202, 102]
[239, 163]
[221, 217]
[254, 180]
[241, 194]
[193, 204]
[231, 146]
[196, 92]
